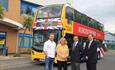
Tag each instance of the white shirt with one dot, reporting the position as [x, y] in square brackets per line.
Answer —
[75, 43]
[90, 43]
[50, 48]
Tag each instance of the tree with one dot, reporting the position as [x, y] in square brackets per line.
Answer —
[1, 12]
[28, 23]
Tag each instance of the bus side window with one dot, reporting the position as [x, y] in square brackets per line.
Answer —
[69, 13]
[77, 16]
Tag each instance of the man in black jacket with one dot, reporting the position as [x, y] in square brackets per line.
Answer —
[76, 48]
[91, 53]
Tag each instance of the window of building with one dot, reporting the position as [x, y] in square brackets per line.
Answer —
[28, 8]
[25, 41]
[108, 41]
[4, 3]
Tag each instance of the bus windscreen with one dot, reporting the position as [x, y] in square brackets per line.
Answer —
[50, 11]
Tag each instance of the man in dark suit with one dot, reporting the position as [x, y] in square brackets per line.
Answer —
[91, 53]
[76, 48]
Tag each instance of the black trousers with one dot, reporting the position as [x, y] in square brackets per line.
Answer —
[91, 66]
[75, 66]
[62, 65]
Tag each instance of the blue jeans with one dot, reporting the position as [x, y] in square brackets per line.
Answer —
[49, 63]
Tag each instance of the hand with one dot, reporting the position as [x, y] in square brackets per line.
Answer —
[69, 57]
[45, 54]
[86, 57]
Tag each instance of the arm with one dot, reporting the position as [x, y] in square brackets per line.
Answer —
[85, 50]
[67, 53]
[80, 47]
[45, 49]
[93, 52]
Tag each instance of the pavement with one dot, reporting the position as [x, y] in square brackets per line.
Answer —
[10, 57]
[12, 62]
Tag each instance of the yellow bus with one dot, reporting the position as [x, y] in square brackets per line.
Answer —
[63, 21]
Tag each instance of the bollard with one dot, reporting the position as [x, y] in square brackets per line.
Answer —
[6, 53]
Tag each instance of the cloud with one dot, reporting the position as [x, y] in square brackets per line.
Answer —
[109, 26]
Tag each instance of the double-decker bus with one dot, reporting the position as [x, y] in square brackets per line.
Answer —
[63, 21]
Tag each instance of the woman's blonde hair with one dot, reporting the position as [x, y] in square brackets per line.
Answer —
[62, 39]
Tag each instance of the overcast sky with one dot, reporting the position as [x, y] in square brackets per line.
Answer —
[101, 10]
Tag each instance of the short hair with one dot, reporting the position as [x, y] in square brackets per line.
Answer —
[91, 34]
[76, 36]
[51, 34]
[62, 39]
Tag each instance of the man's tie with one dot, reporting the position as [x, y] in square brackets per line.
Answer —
[74, 45]
[89, 44]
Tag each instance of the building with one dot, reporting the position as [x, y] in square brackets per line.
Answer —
[109, 38]
[11, 26]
